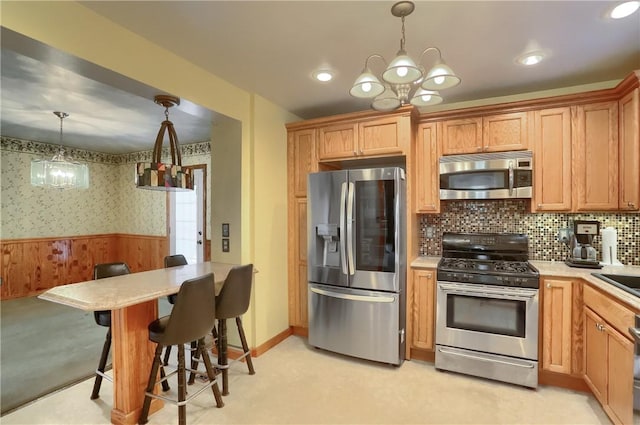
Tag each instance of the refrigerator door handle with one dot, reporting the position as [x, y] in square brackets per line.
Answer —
[352, 297]
[343, 240]
[350, 228]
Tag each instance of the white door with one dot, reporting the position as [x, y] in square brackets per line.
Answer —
[186, 216]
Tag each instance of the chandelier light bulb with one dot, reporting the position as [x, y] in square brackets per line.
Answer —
[438, 80]
[366, 87]
[402, 71]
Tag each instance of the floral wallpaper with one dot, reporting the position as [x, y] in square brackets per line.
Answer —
[112, 204]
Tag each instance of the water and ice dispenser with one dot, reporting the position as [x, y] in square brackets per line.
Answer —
[327, 236]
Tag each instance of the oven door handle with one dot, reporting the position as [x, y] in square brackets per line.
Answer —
[507, 292]
[471, 356]
[635, 333]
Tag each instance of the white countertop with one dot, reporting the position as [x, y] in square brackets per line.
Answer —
[123, 291]
[560, 269]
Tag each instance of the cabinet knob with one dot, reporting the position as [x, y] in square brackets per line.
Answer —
[548, 285]
[539, 205]
[631, 204]
[355, 152]
[360, 151]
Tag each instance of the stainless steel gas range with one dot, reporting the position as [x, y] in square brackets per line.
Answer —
[487, 307]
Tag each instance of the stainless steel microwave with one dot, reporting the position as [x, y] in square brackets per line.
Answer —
[501, 175]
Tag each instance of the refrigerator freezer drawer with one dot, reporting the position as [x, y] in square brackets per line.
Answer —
[364, 324]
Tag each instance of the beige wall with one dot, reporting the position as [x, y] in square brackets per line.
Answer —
[76, 30]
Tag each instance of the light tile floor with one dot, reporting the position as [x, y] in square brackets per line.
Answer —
[298, 384]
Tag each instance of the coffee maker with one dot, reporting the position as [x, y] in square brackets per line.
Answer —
[582, 253]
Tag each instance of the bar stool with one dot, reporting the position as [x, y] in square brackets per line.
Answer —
[103, 318]
[192, 317]
[232, 302]
[174, 261]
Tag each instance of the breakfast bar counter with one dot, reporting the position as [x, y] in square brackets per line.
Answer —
[133, 301]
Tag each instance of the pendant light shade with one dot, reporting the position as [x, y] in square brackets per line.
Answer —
[440, 77]
[366, 85]
[60, 172]
[426, 98]
[157, 175]
[403, 80]
[402, 70]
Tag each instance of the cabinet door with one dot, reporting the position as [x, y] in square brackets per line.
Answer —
[630, 152]
[620, 379]
[382, 136]
[298, 265]
[595, 157]
[595, 355]
[505, 132]
[556, 325]
[552, 160]
[427, 181]
[423, 309]
[337, 141]
[301, 147]
[462, 136]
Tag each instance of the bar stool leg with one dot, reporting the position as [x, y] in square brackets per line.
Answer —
[144, 414]
[102, 365]
[245, 346]
[222, 354]
[194, 363]
[182, 389]
[167, 352]
[211, 374]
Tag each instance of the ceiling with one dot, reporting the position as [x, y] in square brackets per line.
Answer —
[272, 48]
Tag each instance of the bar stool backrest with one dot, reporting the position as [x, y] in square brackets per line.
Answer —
[175, 260]
[193, 314]
[234, 298]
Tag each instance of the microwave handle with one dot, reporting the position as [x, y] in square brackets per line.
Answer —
[511, 177]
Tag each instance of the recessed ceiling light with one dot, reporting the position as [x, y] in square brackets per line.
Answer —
[323, 76]
[624, 9]
[530, 58]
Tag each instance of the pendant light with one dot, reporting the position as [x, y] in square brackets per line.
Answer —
[60, 172]
[157, 175]
[404, 81]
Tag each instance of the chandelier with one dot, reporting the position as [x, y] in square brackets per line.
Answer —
[60, 172]
[404, 81]
[157, 175]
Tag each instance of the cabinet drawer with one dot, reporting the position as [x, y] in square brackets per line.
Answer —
[613, 312]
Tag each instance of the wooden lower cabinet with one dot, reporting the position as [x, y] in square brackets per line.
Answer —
[608, 355]
[298, 266]
[422, 308]
[557, 325]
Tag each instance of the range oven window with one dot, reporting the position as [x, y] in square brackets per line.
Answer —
[487, 315]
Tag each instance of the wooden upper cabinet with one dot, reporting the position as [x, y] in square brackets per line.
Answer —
[552, 160]
[427, 184]
[462, 136]
[301, 162]
[629, 134]
[337, 141]
[492, 133]
[595, 156]
[384, 136]
[375, 137]
[505, 132]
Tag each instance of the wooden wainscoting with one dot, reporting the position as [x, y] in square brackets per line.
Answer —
[31, 266]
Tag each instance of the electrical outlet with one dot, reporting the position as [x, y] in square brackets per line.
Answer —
[430, 232]
[563, 235]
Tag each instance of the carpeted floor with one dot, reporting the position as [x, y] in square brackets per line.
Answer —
[46, 346]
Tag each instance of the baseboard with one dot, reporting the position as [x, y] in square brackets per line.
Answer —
[300, 331]
[424, 355]
[263, 348]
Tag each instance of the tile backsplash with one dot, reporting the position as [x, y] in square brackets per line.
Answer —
[513, 216]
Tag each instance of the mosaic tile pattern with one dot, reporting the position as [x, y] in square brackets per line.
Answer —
[513, 216]
[111, 204]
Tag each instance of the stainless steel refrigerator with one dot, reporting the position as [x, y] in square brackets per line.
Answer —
[357, 262]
